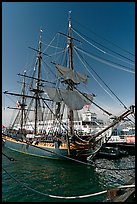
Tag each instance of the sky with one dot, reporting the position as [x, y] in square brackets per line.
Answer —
[109, 23]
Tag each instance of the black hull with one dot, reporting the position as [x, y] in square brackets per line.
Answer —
[107, 156]
[129, 148]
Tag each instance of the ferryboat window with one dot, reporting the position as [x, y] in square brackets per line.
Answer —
[121, 137]
[114, 132]
[124, 132]
[132, 132]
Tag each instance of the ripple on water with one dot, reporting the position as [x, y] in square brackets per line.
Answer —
[60, 178]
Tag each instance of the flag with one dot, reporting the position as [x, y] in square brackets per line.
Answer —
[87, 106]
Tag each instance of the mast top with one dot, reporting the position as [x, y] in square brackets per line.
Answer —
[41, 31]
[69, 19]
[69, 14]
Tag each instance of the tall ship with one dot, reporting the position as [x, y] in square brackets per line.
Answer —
[49, 121]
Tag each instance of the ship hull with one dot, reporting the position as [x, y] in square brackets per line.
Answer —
[51, 152]
[129, 148]
[44, 152]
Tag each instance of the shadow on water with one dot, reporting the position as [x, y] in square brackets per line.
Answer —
[55, 177]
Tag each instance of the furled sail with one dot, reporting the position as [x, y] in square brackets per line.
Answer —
[68, 73]
[73, 99]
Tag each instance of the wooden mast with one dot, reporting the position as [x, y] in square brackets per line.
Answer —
[37, 90]
[69, 81]
[23, 103]
[71, 84]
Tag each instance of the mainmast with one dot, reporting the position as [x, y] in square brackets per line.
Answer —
[70, 82]
[37, 90]
[23, 103]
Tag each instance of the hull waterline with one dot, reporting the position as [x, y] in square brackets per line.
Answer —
[51, 152]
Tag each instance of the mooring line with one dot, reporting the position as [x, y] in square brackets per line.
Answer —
[65, 197]
[76, 160]
[10, 158]
[82, 162]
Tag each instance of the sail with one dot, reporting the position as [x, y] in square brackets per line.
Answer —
[53, 94]
[68, 73]
[73, 99]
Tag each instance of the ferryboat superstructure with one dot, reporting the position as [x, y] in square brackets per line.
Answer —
[85, 123]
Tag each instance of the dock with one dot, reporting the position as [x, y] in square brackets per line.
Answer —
[122, 194]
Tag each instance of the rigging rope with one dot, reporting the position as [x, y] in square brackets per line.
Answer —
[54, 74]
[93, 75]
[102, 82]
[108, 113]
[50, 43]
[58, 53]
[106, 48]
[108, 62]
[90, 43]
[52, 46]
[105, 39]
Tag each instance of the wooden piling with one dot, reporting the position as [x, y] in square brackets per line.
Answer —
[121, 194]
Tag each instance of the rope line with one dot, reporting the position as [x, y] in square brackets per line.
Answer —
[91, 43]
[105, 52]
[104, 38]
[108, 62]
[10, 158]
[94, 76]
[82, 162]
[79, 56]
[64, 197]
[50, 43]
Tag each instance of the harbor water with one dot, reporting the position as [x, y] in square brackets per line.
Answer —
[34, 179]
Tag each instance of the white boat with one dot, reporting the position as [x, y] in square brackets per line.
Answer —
[123, 135]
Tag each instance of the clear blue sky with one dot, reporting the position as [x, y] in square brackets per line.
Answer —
[114, 21]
